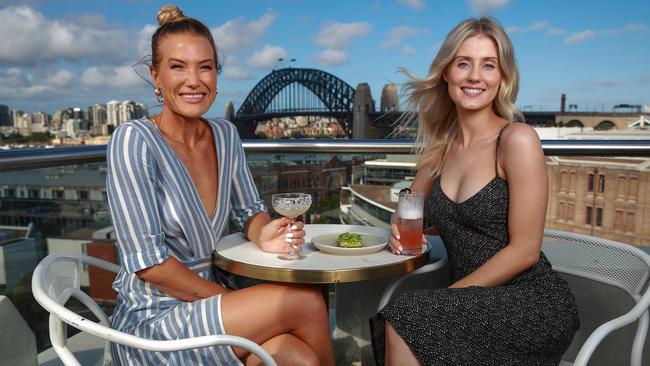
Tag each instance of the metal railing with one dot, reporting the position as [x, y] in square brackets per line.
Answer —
[23, 159]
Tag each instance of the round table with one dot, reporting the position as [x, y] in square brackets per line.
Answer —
[235, 254]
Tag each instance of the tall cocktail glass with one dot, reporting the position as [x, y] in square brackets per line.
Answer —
[410, 208]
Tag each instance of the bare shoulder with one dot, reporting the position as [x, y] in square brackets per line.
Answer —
[520, 137]
[520, 150]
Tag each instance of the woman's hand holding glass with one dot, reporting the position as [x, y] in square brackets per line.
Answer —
[394, 243]
[275, 237]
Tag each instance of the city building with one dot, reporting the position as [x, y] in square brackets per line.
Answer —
[604, 197]
[15, 115]
[112, 113]
[99, 120]
[5, 118]
[19, 249]
[55, 199]
[41, 118]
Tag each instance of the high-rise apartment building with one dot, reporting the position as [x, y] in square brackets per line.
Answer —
[41, 118]
[98, 117]
[126, 111]
[141, 110]
[15, 117]
[112, 113]
[5, 119]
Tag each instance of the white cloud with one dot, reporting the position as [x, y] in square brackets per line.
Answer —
[629, 28]
[405, 31]
[339, 35]
[236, 73]
[111, 77]
[28, 38]
[533, 27]
[13, 78]
[539, 26]
[144, 39]
[408, 51]
[396, 35]
[331, 57]
[413, 4]
[237, 35]
[391, 43]
[267, 57]
[487, 6]
[14, 84]
[556, 32]
[579, 37]
[60, 79]
[608, 82]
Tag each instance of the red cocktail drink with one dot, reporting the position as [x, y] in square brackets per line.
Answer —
[410, 208]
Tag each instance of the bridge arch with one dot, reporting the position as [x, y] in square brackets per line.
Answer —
[605, 125]
[574, 123]
[335, 94]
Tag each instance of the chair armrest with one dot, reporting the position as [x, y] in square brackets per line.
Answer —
[597, 336]
[388, 293]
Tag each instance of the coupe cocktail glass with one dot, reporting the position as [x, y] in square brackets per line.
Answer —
[291, 205]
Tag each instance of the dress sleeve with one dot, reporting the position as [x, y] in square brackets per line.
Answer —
[244, 197]
[131, 189]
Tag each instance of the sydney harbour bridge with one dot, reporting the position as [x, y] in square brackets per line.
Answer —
[310, 92]
[291, 91]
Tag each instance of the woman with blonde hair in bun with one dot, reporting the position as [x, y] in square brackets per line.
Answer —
[173, 179]
[486, 186]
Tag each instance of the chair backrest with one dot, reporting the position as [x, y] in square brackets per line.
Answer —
[607, 261]
[57, 278]
[60, 278]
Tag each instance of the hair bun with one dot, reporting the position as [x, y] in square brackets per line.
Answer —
[168, 14]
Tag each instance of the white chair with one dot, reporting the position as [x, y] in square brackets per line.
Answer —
[612, 263]
[56, 279]
[601, 260]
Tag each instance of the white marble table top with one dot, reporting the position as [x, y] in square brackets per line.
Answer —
[237, 255]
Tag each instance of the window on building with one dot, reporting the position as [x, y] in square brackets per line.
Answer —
[33, 193]
[599, 216]
[571, 212]
[629, 221]
[572, 184]
[590, 183]
[10, 193]
[618, 220]
[564, 182]
[634, 187]
[601, 183]
[621, 187]
[58, 194]
[562, 211]
[83, 195]
[589, 215]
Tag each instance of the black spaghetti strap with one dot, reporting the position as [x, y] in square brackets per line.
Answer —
[496, 155]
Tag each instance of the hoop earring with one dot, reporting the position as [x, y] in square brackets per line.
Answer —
[158, 92]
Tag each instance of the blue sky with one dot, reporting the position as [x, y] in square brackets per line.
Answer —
[68, 53]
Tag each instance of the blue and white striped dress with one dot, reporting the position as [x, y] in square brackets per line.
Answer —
[157, 214]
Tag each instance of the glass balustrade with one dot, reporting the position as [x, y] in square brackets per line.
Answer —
[62, 207]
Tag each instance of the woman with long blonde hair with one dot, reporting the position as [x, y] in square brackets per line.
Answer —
[487, 188]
